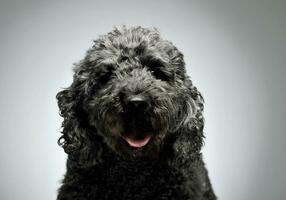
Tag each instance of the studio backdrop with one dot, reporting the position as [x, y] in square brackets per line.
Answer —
[234, 53]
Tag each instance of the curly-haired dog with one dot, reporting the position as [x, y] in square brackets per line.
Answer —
[133, 123]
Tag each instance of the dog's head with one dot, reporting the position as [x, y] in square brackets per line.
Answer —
[130, 91]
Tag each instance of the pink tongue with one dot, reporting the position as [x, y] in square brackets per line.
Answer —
[137, 142]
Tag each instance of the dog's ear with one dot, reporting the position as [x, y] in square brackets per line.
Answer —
[191, 115]
[70, 102]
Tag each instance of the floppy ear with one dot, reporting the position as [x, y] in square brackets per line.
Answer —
[72, 135]
[70, 102]
[191, 114]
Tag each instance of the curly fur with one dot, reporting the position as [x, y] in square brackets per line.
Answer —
[100, 165]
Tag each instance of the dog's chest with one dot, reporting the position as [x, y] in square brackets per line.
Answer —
[136, 181]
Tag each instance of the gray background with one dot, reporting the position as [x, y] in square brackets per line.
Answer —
[235, 54]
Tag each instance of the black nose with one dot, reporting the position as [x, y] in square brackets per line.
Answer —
[137, 103]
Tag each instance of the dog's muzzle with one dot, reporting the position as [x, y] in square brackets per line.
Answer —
[137, 129]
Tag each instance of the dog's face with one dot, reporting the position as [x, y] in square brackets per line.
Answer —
[133, 89]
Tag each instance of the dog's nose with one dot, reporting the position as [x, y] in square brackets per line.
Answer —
[137, 103]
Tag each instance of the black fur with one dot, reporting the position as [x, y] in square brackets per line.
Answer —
[97, 113]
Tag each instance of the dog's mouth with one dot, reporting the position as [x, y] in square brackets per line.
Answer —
[137, 138]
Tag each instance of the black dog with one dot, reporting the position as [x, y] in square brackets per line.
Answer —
[133, 123]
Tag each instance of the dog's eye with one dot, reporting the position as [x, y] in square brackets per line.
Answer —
[105, 78]
[159, 74]
[157, 68]
[105, 74]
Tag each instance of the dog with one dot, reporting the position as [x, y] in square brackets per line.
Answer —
[133, 122]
